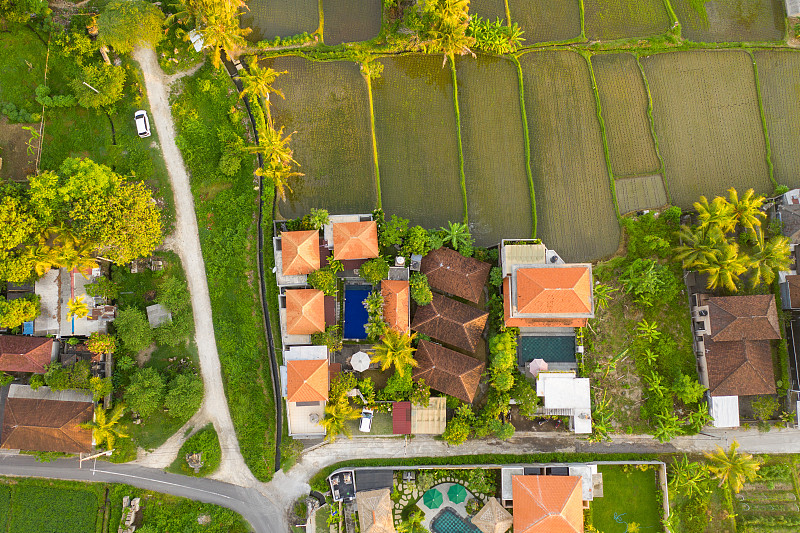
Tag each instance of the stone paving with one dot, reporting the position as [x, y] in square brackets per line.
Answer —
[409, 493]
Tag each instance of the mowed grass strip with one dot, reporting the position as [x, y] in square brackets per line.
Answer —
[644, 192]
[779, 72]
[575, 207]
[37, 508]
[630, 496]
[708, 124]
[280, 18]
[348, 21]
[731, 20]
[498, 191]
[488, 9]
[546, 20]
[415, 127]
[607, 20]
[623, 101]
[328, 106]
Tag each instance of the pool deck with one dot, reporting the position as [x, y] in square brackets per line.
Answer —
[460, 508]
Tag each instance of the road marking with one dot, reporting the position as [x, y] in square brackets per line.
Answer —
[164, 482]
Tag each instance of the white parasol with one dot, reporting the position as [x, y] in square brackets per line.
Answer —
[360, 361]
[536, 366]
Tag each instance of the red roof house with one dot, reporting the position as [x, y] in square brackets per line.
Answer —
[547, 504]
[25, 354]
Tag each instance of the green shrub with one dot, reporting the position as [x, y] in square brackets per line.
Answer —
[145, 393]
[133, 329]
[184, 396]
[765, 407]
[374, 270]
[13, 313]
[324, 280]
[205, 442]
[420, 289]
[416, 242]
[650, 282]
[331, 337]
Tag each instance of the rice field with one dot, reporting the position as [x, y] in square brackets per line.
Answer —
[708, 123]
[624, 103]
[498, 192]
[328, 106]
[606, 20]
[488, 9]
[644, 192]
[574, 203]
[546, 20]
[415, 127]
[731, 20]
[341, 26]
[280, 18]
[779, 73]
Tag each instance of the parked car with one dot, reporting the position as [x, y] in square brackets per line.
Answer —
[142, 123]
[366, 421]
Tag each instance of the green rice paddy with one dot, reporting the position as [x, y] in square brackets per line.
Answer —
[415, 128]
[327, 105]
[708, 123]
[615, 19]
[644, 192]
[494, 157]
[488, 9]
[779, 74]
[623, 100]
[341, 24]
[575, 207]
[280, 18]
[731, 20]
[547, 20]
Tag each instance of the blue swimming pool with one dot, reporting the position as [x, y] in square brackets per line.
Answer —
[448, 521]
[355, 314]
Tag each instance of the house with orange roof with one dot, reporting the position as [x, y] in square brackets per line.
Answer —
[547, 504]
[396, 304]
[304, 386]
[297, 254]
[303, 312]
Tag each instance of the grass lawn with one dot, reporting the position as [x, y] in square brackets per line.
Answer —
[381, 425]
[627, 498]
[37, 507]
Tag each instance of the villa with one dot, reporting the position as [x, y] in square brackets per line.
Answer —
[304, 385]
[26, 354]
[448, 371]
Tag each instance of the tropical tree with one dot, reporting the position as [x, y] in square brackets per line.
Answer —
[769, 257]
[257, 82]
[689, 478]
[100, 343]
[105, 427]
[698, 246]
[77, 308]
[457, 235]
[726, 267]
[733, 467]
[43, 258]
[221, 33]
[602, 295]
[746, 211]
[120, 16]
[447, 24]
[76, 255]
[718, 213]
[336, 416]
[667, 427]
[413, 524]
[278, 159]
[395, 349]
[697, 420]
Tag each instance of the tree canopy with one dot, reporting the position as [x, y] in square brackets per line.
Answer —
[124, 24]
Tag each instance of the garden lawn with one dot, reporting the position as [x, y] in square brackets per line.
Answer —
[226, 208]
[574, 204]
[616, 19]
[779, 72]
[280, 18]
[36, 507]
[730, 20]
[348, 21]
[624, 105]
[547, 21]
[327, 105]
[627, 498]
[415, 127]
[381, 425]
[708, 124]
[498, 189]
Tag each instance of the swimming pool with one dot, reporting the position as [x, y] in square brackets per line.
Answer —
[448, 521]
[550, 348]
[355, 314]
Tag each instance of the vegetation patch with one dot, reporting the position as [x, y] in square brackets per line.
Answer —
[204, 442]
[730, 20]
[328, 106]
[547, 21]
[498, 190]
[41, 508]
[708, 123]
[415, 127]
[280, 18]
[348, 21]
[617, 19]
[575, 207]
[630, 496]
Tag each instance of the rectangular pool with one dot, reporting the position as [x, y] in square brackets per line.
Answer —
[355, 314]
[553, 349]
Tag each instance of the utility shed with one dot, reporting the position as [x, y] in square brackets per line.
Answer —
[725, 411]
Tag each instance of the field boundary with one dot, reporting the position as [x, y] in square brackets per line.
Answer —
[321, 28]
[374, 142]
[508, 13]
[763, 115]
[526, 136]
[652, 122]
[583, 20]
[673, 17]
[460, 146]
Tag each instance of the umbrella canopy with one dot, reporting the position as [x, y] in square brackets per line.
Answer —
[457, 493]
[493, 518]
[360, 361]
[432, 499]
[536, 366]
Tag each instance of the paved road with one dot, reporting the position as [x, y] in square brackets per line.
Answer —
[255, 508]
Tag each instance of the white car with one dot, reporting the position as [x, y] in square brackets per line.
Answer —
[142, 123]
[366, 421]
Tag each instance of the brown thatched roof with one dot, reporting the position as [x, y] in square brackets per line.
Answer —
[448, 371]
[46, 425]
[375, 511]
[451, 322]
[451, 272]
[493, 518]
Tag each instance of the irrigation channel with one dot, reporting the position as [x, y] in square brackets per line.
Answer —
[233, 71]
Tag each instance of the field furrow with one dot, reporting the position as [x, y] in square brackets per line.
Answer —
[488, 9]
[575, 207]
[343, 26]
[606, 20]
[645, 192]
[730, 20]
[280, 18]
[546, 20]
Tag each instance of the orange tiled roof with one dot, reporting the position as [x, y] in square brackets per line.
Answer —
[355, 240]
[25, 354]
[305, 311]
[553, 290]
[547, 504]
[300, 252]
[396, 304]
[516, 322]
[307, 380]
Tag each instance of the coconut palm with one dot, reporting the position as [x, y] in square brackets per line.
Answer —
[698, 245]
[769, 257]
[733, 467]
[274, 147]
[336, 416]
[221, 33]
[44, 258]
[105, 426]
[716, 213]
[77, 308]
[75, 254]
[448, 22]
[746, 210]
[413, 524]
[725, 268]
[689, 478]
[395, 349]
[258, 84]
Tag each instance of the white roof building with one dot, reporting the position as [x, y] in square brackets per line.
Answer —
[725, 411]
[566, 395]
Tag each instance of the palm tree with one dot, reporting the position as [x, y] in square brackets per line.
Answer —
[717, 213]
[44, 258]
[395, 349]
[688, 477]
[258, 83]
[274, 147]
[747, 210]
[77, 308]
[336, 416]
[733, 467]
[457, 235]
[221, 33]
[725, 268]
[770, 257]
[698, 246]
[75, 254]
[279, 175]
[448, 24]
[104, 427]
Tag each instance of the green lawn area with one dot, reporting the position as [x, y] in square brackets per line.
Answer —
[39, 508]
[627, 498]
[381, 425]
